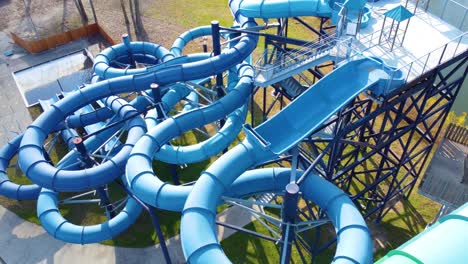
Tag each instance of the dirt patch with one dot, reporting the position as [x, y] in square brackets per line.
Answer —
[45, 18]
[49, 17]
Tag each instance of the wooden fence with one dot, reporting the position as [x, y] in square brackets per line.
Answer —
[457, 134]
[36, 46]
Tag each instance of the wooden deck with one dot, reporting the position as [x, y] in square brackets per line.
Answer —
[446, 179]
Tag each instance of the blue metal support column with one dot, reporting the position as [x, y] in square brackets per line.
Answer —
[219, 77]
[161, 116]
[289, 218]
[126, 41]
[216, 51]
[87, 162]
[154, 219]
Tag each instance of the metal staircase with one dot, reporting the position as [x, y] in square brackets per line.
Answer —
[292, 87]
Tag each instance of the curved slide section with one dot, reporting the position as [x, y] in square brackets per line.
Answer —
[444, 242]
[7, 187]
[200, 245]
[269, 140]
[293, 8]
[31, 157]
[53, 222]
[140, 177]
[124, 51]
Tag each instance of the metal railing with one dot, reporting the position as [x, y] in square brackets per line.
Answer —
[431, 60]
[450, 11]
[282, 61]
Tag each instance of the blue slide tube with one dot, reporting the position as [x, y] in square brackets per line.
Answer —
[216, 143]
[139, 171]
[266, 9]
[41, 172]
[200, 244]
[249, 183]
[182, 40]
[208, 148]
[57, 226]
[102, 61]
[271, 139]
[7, 187]
[31, 158]
[281, 9]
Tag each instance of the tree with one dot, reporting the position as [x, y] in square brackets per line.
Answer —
[93, 10]
[124, 11]
[82, 11]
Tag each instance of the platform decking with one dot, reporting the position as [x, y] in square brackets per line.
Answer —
[446, 178]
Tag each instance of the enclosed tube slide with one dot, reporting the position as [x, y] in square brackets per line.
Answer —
[7, 187]
[274, 137]
[294, 8]
[140, 177]
[53, 222]
[31, 158]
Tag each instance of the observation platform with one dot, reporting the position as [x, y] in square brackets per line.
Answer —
[429, 41]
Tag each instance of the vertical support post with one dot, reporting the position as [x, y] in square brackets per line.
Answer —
[126, 41]
[289, 217]
[396, 34]
[175, 176]
[382, 31]
[216, 51]
[205, 45]
[88, 163]
[295, 154]
[404, 33]
[157, 100]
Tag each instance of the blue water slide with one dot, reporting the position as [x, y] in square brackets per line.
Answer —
[327, 96]
[7, 187]
[213, 145]
[182, 40]
[53, 222]
[274, 137]
[123, 51]
[31, 158]
[67, 134]
[293, 8]
[249, 183]
[140, 177]
[44, 174]
[200, 244]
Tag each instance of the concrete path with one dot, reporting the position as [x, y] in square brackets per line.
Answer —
[24, 242]
[14, 117]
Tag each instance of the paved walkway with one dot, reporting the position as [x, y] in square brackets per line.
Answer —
[24, 242]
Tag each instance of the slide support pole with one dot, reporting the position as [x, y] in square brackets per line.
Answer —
[216, 51]
[126, 41]
[157, 100]
[289, 217]
[88, 163]
[154, 220]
